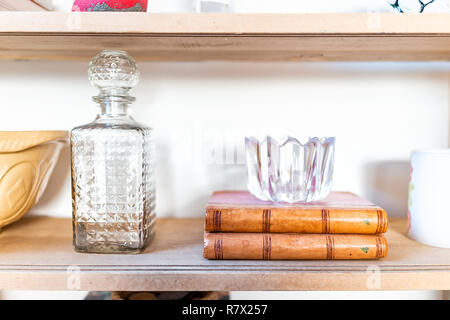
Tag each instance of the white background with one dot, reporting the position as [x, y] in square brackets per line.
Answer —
[378, 113]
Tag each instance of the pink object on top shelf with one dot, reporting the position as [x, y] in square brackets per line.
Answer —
[110, 5]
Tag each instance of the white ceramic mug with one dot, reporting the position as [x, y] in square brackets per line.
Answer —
[429, 197]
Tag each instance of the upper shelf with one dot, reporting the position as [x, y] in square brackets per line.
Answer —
[228, 37]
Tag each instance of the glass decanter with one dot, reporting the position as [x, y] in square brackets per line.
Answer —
[113, 195]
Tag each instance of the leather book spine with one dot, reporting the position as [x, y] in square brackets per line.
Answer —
[268, 246]
[288, 220]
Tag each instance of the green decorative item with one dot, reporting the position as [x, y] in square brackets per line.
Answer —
[365, 249]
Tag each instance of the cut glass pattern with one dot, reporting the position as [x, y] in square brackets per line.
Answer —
[290, 171]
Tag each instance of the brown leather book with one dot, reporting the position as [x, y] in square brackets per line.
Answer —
[288, 246]
[340, 212]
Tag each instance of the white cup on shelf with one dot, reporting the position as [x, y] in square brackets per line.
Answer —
[429, 197]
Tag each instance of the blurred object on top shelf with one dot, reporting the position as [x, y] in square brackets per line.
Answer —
[174, 6]
[342, 6]
[421, 6]
[110, 5]
[25, 5]
[303, 6]
[258, 6]
[62, 5]
[212, 6]
[46, 4]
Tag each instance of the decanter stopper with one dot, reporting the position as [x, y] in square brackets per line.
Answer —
[114, 72]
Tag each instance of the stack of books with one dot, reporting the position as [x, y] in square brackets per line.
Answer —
[343, 226]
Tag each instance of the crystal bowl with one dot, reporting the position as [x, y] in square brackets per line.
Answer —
[290, 171]
[27, 159]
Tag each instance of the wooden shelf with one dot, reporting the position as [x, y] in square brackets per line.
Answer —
[228, 37]
[36, 253]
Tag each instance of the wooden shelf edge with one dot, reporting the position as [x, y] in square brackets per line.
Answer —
[226, 37]
[246, 281]
[189, 24]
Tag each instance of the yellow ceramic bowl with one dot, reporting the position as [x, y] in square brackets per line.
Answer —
[27, 159]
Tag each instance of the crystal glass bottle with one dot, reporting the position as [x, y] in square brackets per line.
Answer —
[113, 196]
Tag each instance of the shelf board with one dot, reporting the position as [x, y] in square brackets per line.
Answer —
[227, 37]
[36, 253]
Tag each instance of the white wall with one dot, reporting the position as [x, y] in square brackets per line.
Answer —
[378, 112]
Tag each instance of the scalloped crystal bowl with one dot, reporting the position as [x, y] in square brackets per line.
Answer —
[27, 159]
[290, 171]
